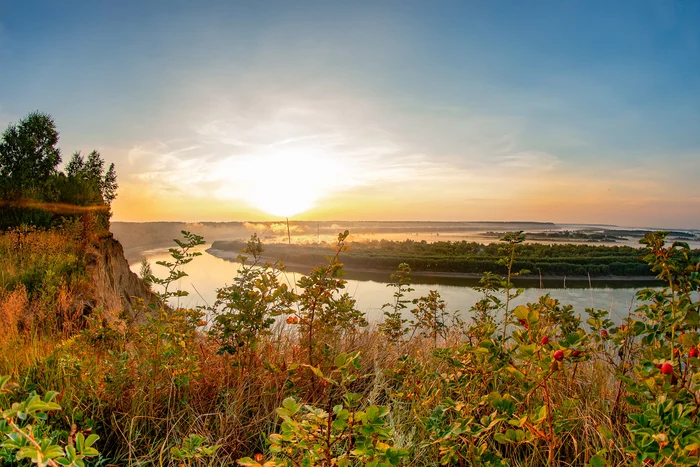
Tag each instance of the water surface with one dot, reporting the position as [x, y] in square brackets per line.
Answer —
[207, 273]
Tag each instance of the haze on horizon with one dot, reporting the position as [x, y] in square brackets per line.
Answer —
[562, 111]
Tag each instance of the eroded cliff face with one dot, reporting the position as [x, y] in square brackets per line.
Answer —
[115, 288]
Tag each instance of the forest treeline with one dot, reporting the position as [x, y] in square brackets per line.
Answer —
[35, 191]
[470, 257]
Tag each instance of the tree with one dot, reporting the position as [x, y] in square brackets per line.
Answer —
[393, 325]
[109, 185]
[246, 310]
[29, 159]
[29, 155]
[87, 182]
[324, 311]
[75, 165]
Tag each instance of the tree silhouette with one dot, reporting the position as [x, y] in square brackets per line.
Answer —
[29, 155]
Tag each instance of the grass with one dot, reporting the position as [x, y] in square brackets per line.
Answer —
[145, 388]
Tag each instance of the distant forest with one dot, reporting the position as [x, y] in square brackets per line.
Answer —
[574, 260]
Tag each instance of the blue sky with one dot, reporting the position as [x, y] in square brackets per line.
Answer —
[565, 111]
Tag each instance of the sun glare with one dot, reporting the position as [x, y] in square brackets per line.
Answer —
[290, 181]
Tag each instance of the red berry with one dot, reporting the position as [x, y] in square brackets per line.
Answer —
[676, 352]
[667, 369]
[292, 319]
[545, 340]
[576, 353]
[604, 333]
[693, 353]
[559, 355]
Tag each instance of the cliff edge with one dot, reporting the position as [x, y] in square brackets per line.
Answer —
[115, 288]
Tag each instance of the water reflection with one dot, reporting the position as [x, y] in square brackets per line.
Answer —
[207, 273]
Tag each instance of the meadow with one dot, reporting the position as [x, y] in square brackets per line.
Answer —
[272, 374]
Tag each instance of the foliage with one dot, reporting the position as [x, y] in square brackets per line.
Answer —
[430, 316]
[27, 434]
[181, 256]
[512, 240]
[665, 431]
[393, 325]
[29, 155]
[247, 309]
[194, 448]
[167, 332]
[35, 192]
[519, 384]
[571, 260]
[324, 312]
[87, 183]
[340, 435]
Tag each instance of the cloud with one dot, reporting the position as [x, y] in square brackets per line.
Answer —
[310, 150]
[343, 157]
[529, 160]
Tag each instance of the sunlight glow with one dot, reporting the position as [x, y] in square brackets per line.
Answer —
[285, 181]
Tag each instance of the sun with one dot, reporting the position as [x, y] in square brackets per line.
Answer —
[284, 204]
[289, 182]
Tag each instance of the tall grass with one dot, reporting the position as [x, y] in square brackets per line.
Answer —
[145, 388]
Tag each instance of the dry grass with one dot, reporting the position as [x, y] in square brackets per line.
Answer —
[146, 388]
[106, 376]
[14, 307]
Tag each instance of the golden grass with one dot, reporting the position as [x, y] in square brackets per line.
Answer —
[13, 307]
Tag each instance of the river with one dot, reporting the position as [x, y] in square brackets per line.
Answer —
[206, 273]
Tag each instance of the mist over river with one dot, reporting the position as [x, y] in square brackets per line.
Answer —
[206, 273]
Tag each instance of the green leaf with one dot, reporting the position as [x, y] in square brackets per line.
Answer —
[597, 461]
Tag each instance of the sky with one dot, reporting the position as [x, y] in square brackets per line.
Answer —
[562, 111]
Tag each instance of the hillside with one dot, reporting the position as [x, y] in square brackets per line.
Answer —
[539, 384]
[61, 277]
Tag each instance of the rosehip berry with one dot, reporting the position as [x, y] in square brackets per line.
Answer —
[559, 355]
[693, 353]
[576, 353]
[604, 333]
[291, 319]
[676, 352]
[667, 369]
[545, 340]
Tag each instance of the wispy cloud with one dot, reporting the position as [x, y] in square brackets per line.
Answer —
[281, 154]
[313, 151]
[529, 161]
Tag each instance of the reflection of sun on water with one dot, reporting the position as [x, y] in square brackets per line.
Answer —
[290, 182]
